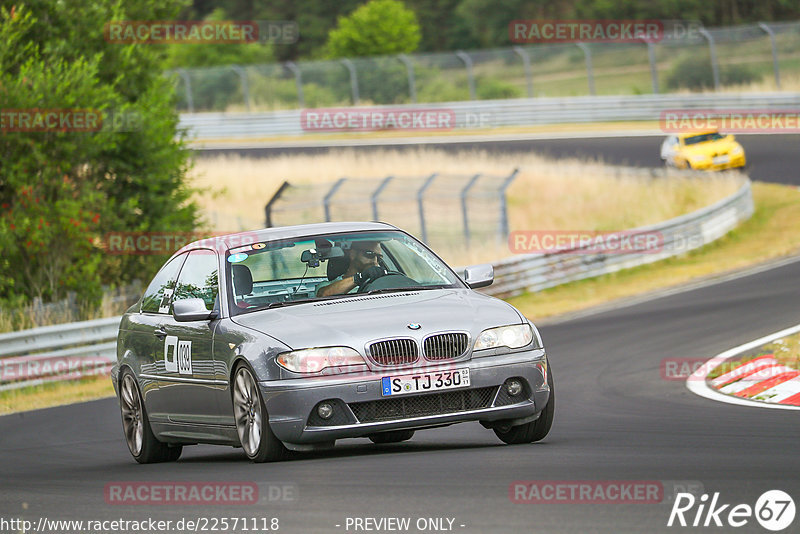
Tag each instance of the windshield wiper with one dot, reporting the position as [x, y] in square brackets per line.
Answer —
[400, 289]
[282, 303]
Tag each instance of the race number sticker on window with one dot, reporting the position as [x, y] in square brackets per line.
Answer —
[177, 356]
[163, 307]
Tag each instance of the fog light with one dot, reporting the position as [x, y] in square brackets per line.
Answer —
[325, 410]
[514, 387]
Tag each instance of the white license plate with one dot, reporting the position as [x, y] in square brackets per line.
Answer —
[721, 159]
[424, 382]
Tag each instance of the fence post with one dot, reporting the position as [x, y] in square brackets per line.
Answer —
[777, 68]
[245, 87]
[651, 54]
[187, 83]
[713, 49]
[463, 56]
[504, 205]
[526, 62]
[271, 202]
[298, 81]
[326, 201]
[589, 71]
[464, 213]
[353, 79]
[376, 193]
[412, 82]
[421, 207]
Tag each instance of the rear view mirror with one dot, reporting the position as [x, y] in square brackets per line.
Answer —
[186, 310]
[313, 256]
[479, 275]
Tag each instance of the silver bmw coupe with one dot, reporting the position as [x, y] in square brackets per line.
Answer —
[287, 339]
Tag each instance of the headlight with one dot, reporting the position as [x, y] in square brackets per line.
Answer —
[316, 360]
[737, 150]
[513, 337]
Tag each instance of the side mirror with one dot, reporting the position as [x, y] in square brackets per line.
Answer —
[186, 310]
[479, 275]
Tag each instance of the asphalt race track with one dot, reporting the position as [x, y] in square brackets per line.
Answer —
[617, 419]
[770, 158]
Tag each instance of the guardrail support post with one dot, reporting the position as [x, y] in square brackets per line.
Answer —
[526, 62]
[589, 70]
[464, 212]
[245, 87]
[777, 68]
[326, 201]
[713, 49]
[504, 205]
[353, 79]
[271, 202]
[187, 83]
[412, 83]
[463, 56]
[421, 207]
[376, 193]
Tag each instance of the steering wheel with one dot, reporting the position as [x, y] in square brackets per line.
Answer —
[390, 280]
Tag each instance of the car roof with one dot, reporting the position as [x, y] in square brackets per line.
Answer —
[225, 242]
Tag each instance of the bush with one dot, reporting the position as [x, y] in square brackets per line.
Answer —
[494, 89]
[693, 71]
[61, 190]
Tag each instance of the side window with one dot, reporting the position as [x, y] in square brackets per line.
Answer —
[199, 278]
[157, 297]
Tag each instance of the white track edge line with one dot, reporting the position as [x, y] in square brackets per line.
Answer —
[696, 383]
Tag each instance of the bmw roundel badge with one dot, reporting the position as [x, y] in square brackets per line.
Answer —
[414, 326]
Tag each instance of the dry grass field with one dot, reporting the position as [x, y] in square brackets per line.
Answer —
[546, 195]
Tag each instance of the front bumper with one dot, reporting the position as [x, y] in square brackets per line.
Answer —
[291, 404]
[732, 163]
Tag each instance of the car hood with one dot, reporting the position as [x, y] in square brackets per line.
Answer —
[355, 321]
[711, 148]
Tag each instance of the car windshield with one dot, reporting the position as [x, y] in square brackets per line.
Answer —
[279, 273]
[703, 138]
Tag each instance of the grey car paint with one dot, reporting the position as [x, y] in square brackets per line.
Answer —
[198, 408]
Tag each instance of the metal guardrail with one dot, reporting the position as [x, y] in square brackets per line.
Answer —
[59, 352]
[496, 113]
[534, 272]
[28, 357]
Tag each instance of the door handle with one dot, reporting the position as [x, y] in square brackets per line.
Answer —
[160, 333]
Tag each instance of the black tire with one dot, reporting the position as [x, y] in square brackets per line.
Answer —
[252, 420]
[535, 430]
[395, 436]
[142, 443]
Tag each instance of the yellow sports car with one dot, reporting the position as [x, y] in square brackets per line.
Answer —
[708, 151]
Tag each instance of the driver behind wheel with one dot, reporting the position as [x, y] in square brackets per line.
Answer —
[364, 267]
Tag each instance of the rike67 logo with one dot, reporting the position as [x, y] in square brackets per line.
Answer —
[774, 510]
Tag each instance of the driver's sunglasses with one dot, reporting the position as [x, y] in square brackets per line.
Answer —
[372, 254]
